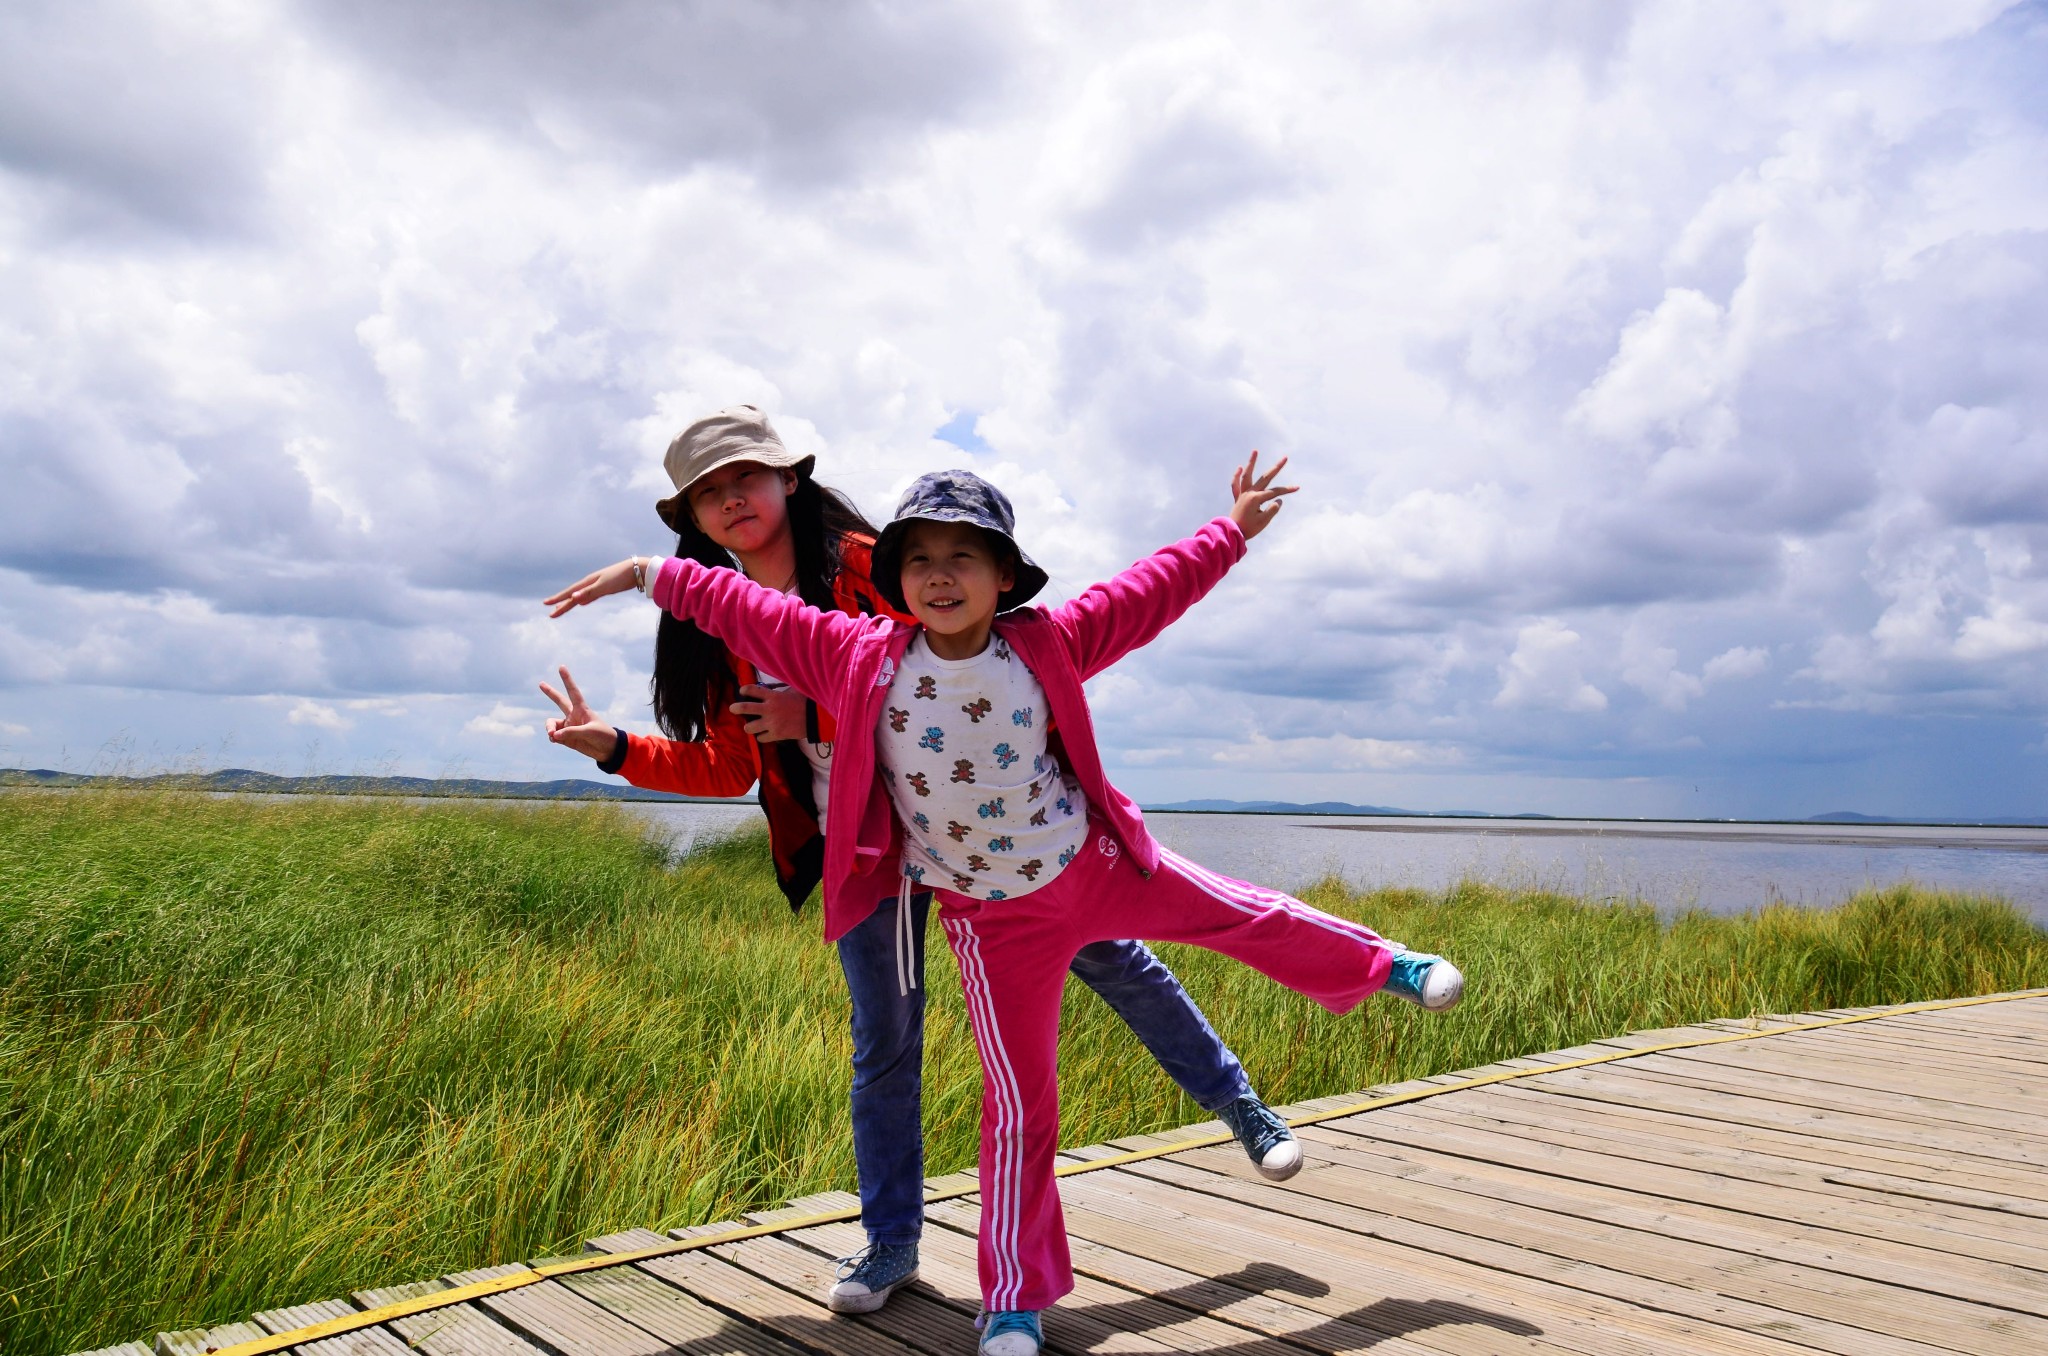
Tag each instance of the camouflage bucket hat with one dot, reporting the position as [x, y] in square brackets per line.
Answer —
[952, 497]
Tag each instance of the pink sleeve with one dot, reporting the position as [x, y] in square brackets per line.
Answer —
[1113, 618]
[779, 632]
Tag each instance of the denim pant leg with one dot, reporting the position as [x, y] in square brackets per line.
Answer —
[1140, 989]
[888, 1073]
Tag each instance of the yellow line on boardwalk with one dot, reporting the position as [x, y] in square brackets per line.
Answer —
[497, 1285]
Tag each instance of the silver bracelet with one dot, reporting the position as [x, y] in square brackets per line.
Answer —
[640, 573]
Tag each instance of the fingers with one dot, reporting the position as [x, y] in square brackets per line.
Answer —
[1267, 479]
[558, 700]
[575, 692]
[570, 593]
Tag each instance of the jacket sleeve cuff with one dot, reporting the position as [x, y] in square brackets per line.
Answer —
[616, 759]
[662, 587]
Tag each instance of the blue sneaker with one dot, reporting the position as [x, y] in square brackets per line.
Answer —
[867, 1279]
[1011, 1332]
[1267, 1141]
[1429, 982]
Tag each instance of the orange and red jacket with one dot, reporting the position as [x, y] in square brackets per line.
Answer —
[728, 760]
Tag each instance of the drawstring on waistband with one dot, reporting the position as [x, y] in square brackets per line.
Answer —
[906, 966]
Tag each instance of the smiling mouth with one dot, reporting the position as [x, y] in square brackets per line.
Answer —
[944, 604]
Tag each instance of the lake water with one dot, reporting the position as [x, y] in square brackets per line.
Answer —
[1723, 868]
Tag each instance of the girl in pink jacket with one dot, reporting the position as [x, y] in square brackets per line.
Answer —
[983, 783]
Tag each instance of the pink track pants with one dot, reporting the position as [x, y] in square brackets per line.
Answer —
[1013, 957]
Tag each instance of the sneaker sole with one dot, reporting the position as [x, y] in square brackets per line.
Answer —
[864, 1304]
[1289, 1154]
[1447, 995]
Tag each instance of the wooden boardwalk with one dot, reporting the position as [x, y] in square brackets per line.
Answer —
[1875, 1188]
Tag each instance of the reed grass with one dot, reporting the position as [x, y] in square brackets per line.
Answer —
[255, 1053]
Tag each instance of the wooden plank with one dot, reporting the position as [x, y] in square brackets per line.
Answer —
[1918, 1127]
[123, 1349]
[1526, 1150]
[1822, 1123]
[1332, 1298]
[1937, 1096]
[198, 1341]
[362, 1342]
[1796, 1136]
[459, 1330]
[1794, 1236]
[682, 1320]
[916, 1317]
[1663, 1144]
[798, 1316]
[1681, 1261]
[1510, 1278]
[1768, 1149]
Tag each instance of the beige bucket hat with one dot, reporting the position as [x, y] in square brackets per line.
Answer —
[735, 433]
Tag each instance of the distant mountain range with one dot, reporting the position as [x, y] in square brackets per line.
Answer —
[265, 783]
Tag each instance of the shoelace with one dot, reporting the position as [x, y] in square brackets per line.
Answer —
[849, 1267]
[906, 969]
[1012, 1320]
[1266, 1125]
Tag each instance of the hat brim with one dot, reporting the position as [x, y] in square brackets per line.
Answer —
[885, 562]
[667, 508]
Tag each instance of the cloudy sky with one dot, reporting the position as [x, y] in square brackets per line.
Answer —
[1668, 383]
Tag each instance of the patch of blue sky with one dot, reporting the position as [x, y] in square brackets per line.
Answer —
[959, 431]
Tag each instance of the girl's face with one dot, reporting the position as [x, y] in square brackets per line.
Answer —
[952, 579]
[743, 505]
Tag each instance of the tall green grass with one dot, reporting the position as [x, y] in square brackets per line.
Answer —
[261, 1052]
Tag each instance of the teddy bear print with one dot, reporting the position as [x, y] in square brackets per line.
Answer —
[1032, 794]
[1030, 869]
[962, 883]
[963, 770]
[1038, 818]
[976, 862]
[997, 894]
[1005, 755]
[978, 708]
[916, 873]
[923, 821]
[992, 810]
[956, 831]
[934, 739]
[918, 783]
[897, 718]
[927, 688]
[1002, 649]
[1004, 843]
[933, 853]
[1021, 717]
[1067, 855]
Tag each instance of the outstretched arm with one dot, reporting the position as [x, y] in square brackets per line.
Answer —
[1112, 618]
[777, 631]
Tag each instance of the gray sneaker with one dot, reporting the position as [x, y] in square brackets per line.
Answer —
[867, 1279]
[1267, 1141]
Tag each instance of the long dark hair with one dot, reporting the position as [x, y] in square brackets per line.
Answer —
[690, 669]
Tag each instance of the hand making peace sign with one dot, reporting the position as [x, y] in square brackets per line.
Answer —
[577, 727]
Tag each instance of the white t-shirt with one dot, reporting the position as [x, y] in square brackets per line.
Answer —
[818, 753]
[987, 811]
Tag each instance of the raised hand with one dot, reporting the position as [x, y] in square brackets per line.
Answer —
[772, 713]
[577, 727]
[591, 587]
[1257, 497]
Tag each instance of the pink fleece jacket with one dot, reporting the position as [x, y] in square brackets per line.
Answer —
[845, 664]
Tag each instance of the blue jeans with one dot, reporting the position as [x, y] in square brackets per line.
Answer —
[888, 1053]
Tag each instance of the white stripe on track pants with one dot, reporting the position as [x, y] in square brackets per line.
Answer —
[1013, 957]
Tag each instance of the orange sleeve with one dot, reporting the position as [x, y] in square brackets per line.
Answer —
[726, 762]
